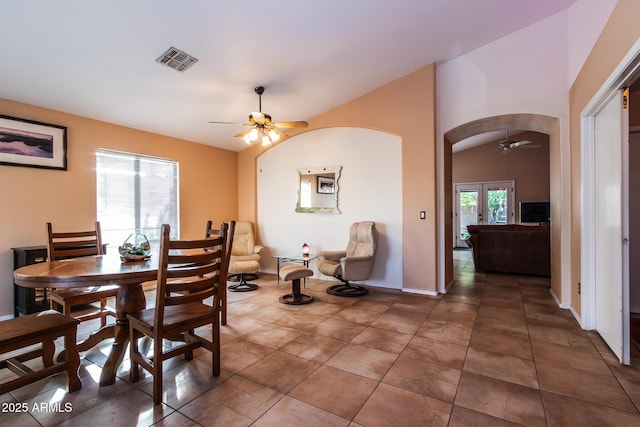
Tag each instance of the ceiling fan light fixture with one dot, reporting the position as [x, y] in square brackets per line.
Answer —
[262, 127]
[249, 137]
[273, 136]
[267, 137]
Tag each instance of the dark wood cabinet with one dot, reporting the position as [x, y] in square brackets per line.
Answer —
[29, 300]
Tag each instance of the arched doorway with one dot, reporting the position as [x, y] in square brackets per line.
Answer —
[477, 128]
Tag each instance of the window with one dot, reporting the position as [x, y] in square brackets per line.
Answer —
[305, 192]
[135, 194]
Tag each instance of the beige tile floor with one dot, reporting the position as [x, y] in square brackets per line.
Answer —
[495, 350]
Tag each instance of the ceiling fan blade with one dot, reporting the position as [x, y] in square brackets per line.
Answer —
[520, 143]
[243, 133]
[285, 125]
[227, 123]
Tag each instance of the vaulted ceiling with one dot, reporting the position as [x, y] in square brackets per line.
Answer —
[98, 58]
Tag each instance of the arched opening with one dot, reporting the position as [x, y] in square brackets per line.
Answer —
[490, 129]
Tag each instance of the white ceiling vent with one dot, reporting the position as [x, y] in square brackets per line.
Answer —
[176, 59]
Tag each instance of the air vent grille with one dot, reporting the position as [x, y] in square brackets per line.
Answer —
[176, 59]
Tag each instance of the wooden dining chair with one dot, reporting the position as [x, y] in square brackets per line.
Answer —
[189, 272]
[209, 233]
[64, 245]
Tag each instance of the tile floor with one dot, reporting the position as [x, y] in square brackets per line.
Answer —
[495, 350]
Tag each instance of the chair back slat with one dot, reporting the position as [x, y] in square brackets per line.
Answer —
[193, 291]
[203, 257]
[74, 244]
[194, 244]
[189, 271]
[74, 252]
[192, 269]
[191, 284]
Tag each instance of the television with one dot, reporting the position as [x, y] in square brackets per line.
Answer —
[539, 212]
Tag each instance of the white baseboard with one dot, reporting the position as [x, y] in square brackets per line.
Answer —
[577, 316]
[566, 307]
[557, 300]
[420, 291]
[7, 317]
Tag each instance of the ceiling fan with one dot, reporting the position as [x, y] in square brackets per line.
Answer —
[261, 126]
[507, 144]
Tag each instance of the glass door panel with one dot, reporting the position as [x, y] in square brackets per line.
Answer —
[497, 212]
[482, 203]
[468, 210]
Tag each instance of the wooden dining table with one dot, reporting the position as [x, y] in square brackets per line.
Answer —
[98, 270]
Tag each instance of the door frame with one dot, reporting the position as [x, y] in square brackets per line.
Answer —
[458, 187]
[625, 73]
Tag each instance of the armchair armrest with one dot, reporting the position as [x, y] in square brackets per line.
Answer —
[332, 255]
[257, 249]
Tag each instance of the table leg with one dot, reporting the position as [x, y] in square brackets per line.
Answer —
[278, 270]
[306, 264]
[130, 299]
[91, 341]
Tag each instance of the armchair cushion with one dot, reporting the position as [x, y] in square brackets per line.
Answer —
[244, 246]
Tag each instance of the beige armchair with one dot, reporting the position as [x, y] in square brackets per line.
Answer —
[245, 257]
[355, 263]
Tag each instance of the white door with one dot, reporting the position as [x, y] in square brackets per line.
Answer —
[611, 308]
[482, 203]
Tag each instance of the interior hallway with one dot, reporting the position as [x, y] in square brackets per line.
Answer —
[495, 350]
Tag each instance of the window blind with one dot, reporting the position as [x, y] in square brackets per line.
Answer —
[135, 194]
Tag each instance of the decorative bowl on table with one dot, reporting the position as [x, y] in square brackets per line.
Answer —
[135, 248]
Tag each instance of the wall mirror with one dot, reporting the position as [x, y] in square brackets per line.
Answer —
[318, 189]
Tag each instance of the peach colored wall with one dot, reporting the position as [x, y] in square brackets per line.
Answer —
[528, 167]
[404, 107]
[31, 197]
[559, 290]
[247, 184]
[618, 36]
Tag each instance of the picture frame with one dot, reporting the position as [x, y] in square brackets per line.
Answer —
[326, 185]
[32, 144]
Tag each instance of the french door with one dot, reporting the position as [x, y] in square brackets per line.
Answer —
[482, 203]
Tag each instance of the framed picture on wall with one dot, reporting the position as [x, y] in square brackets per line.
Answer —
[326, 185]
[32, 144]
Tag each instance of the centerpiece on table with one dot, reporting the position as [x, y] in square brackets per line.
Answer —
[135, 248]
